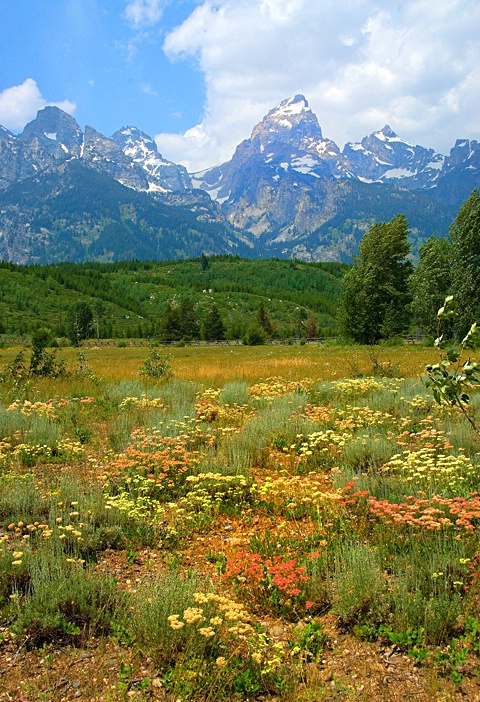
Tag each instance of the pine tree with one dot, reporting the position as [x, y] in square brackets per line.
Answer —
[204, 262]
[188, 320]
[263, 319]
[213, 327]
[169, 328]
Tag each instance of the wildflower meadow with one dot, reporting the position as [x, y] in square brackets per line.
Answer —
[301, 525]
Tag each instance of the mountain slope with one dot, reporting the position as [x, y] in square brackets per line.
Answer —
[78, 214]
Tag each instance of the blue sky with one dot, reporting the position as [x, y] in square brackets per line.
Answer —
[199, 74]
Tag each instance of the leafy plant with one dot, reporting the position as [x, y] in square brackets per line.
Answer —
[452, 377]
[451, 661]
[310, 641]
[156, 365]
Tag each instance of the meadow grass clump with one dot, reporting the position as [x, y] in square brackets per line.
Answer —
[368, 450]
[147, 617]
[323, 393]
[60, 600]
[279, 417]
[179, 396]
[357, 584]
[11, 423]
[235, 393]
[436, 612]
[21, 499]
[460, 435]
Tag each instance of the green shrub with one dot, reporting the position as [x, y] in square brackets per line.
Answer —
[156, 366]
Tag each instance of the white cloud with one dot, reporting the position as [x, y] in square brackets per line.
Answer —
[414, 65]
[20, 104]
[141, 13]
[148, 90]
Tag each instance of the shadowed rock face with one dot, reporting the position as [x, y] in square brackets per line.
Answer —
[287, 181]
[104, 155]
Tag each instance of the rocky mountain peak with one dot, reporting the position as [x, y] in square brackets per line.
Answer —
[54, 129]
[105, 155]
[162, 175]
[383, 156]
[292, 121]
[5, 133]
[130, 137]
[387, 132]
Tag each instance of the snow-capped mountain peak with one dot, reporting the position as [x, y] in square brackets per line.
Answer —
[291, 120]
[162, 175]
[383, 156]
[290, 111]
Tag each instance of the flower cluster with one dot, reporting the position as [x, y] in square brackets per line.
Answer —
[366, 386]
[151, 455]
[142, 402]
[326, 442]
[276, 582]
[210, 492]
[288, 493]
[218, 615]
[227, 622]
[208, 409]
[48, 408]
[276, 387]
[429, 469]
[27, 408]
[434, 513]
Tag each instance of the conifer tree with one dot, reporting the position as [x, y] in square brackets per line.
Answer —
[213, 326]
[263, 319]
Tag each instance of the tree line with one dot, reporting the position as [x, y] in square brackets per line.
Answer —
[384, 296]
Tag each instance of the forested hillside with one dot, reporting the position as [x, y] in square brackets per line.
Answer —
[130, 298]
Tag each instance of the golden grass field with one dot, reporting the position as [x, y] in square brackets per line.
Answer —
[213, 366]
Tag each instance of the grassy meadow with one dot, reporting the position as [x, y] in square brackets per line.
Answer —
[263, 523]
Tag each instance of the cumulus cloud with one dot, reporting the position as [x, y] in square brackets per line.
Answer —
[20, 104]
[142, 13]
[361, 64]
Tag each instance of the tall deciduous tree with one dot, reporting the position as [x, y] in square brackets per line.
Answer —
[79, 322]
[465, 236]
[375, 295]
[430, 283]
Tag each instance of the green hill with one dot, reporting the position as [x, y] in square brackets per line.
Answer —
[130, 297]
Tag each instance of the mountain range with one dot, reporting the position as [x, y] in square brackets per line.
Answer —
[287, 191]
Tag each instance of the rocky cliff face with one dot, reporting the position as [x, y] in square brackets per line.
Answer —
[294, 190]
[460, 174]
